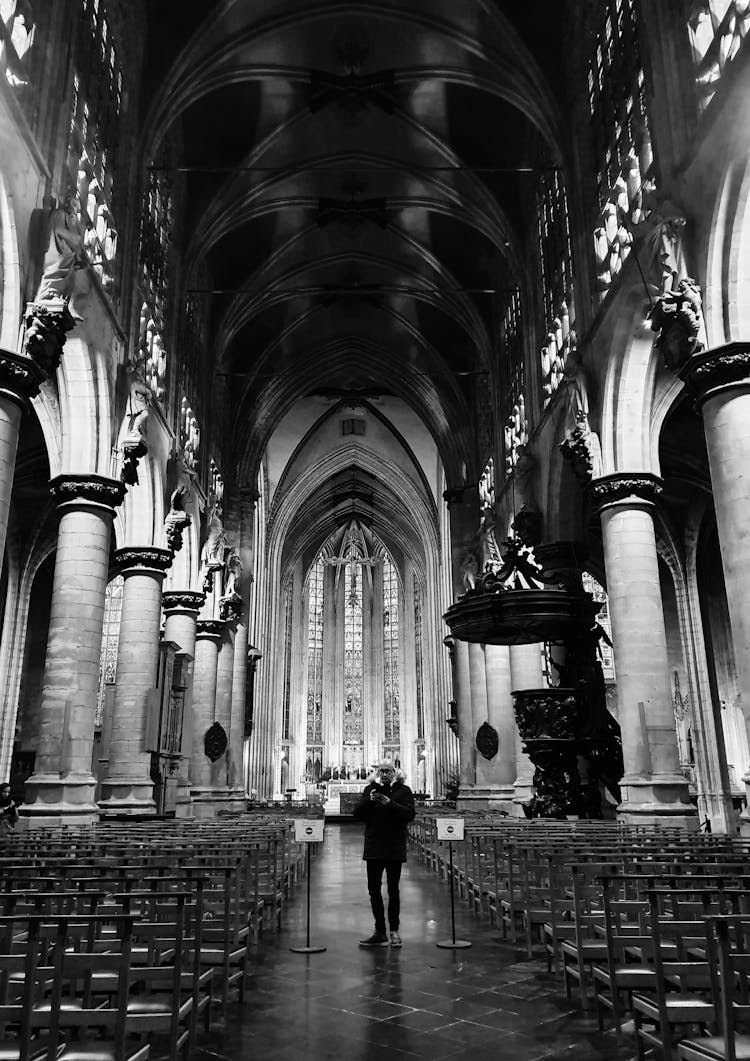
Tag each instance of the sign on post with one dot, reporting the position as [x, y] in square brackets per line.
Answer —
[308, 831]
[450, 828]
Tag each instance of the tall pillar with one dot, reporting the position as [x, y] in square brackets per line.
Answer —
[20, 379]
[128, 788]
[462, 692]
[181, 609]
[526, 673]
[223, 715]
[208, 636]
[719, 381]
[62, 785]
[653, 787]
[247, 500]
[500, 716]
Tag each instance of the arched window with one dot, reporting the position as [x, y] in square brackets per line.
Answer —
[110, 641]
[314, 651]
[353, 732]
[390, 652]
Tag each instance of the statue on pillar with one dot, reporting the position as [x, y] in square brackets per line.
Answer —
[134, 444]
[214, 549]
[64, 256]
[177, 520]
[676, 317]
[469, 570]
[230, 602]
[581, 445]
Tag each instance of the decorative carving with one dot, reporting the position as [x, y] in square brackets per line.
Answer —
[454, 495]
[177, 520]
[20, 377]
[47, 323]
[230, 606]
[676, 318]
[643, 486]
[721, 367]
[233, 572]
[469, 571]
[487, 741]
[182, 601]
[131, 454]
[546, 713]
[149, 558]
[215, 742]
[583, 449]
[214, 549]
[89, 489]
[210, 628]
[527, 526]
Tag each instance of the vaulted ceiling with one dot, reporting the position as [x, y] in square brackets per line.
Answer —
[355, 177]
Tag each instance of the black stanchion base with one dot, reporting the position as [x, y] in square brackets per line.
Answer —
[453, 944]
[307, 950]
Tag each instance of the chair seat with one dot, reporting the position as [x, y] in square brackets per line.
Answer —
[679, 1010]
[12, 1051]
[712, 1048]
[100, 1052]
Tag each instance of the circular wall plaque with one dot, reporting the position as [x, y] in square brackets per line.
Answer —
[487, 741]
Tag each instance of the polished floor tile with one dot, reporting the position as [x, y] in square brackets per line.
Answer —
[417, 1002]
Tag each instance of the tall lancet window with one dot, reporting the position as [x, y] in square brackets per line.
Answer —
[390, 652]
[353, 731]
[315, 653]
[418, 659]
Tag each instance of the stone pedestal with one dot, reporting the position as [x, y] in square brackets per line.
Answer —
[526, 673]
[653, 787]
[208, 638]
[719, 380]
[128, 787]
[61, 789]
[181, 609]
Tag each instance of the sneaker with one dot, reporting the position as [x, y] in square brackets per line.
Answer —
[395, 939]
[377, 939]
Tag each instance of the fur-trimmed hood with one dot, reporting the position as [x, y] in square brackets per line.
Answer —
[399, 776]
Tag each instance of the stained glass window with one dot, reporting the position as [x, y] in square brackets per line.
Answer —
[353, 728]
[156, 237]
[315, 598]
[287, 661]
[21, 52]
[513, 401]
[110, 640]
[418, 658]
[717, 30]
[95, 112]
[623, 155]
[391, 651]
[556, 260]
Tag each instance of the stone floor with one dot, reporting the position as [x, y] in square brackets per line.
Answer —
[418, 1002]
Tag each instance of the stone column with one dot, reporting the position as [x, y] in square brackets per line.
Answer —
[61, 789]
[20, 379]
[653, 788]
[719, 381]
[467, 771]
[247, 500]
[502, 767]
[223, 715]
[208, 636]
[525, 673]
[128, 788]
[181, 609]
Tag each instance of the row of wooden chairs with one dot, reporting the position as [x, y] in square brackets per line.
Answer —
[113, 938]
[631, 918]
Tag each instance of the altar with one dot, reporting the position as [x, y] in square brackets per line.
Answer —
[332, 804]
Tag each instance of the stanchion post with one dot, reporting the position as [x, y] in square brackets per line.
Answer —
[450, 829]
[308, 833]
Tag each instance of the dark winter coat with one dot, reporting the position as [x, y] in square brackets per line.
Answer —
[385, 824]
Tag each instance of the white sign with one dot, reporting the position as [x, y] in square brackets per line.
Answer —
[450, 828]
[308, 830]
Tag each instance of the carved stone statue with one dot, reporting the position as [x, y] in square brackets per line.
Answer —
[65, 253]
[47, 324]
[676, 318]
[233, 569]
[487, 547]
[523, 477]
[583, 448]
[177, 520]
[214, 549]
[664, 230]
[469, 571]
[140, 401]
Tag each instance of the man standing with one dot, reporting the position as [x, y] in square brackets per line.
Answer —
[386, 807]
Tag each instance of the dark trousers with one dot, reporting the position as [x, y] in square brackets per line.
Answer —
[375, 867]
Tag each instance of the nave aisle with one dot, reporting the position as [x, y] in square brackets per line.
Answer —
[483, 1003]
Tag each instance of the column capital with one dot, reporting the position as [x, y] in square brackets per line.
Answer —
[210, 629]
[629, 488]
[132, 558]
[87, 490]
[713, 371]
[182, 600]
[249, 495]
[47, 323]
[20, 377]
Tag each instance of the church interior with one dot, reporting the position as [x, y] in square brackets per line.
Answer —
[375, 384]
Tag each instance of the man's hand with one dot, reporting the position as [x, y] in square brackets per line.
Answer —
[379, 797]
